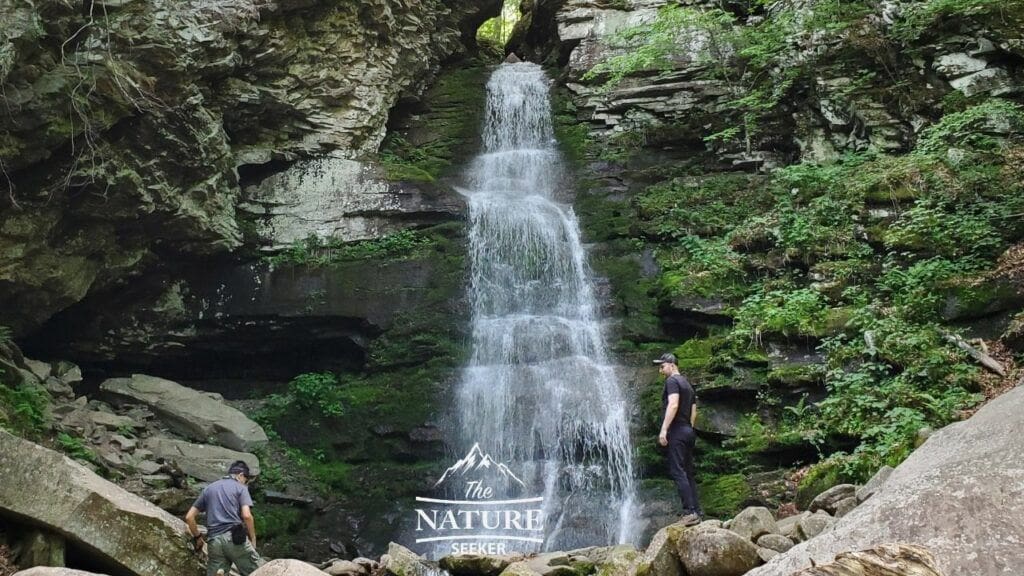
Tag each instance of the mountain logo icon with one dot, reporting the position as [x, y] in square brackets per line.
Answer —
[477, 461]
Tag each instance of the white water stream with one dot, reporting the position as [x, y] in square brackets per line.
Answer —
[539, 394]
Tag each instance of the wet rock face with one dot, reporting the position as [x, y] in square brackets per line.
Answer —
[257, 323]
[121, 149]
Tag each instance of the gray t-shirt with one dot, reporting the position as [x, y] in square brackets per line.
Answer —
[222, 501]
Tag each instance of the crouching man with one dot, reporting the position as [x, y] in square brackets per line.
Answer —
[230, 530]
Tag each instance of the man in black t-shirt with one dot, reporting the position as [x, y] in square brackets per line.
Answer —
[680, 408]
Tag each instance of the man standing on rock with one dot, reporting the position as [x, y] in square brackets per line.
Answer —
[680, 405]
[230, 528]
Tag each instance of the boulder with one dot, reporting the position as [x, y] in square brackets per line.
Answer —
[790, 526]
[288, 568]
[776, 542]
[753, 522]
[661, 558]
[884, 560]
[345, 568]
[845, 506]
[51, 571]
[872, 485]
[100, 518]
[716, 552]
[960, 493]
[189, 412]
[618, 560]
[202, 461]
[813, 525]
[404, 562]
[766, 554]
[470, 564]
[42, 370]
[828, 499]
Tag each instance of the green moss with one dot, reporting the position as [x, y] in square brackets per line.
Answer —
[723, 496]
[634, 293]
[819, 478]
[796, 375]
[443, 130]
[603, 219]
[696, 354]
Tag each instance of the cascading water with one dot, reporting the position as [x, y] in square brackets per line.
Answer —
[539, 394]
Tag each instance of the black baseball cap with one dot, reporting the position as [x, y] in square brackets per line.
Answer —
[239, 467]
[666, 358]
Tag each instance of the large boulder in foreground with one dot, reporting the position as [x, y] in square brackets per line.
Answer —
[288, 568]
[103, 520]
[189, 412]
[48, 571]
[707, 551]
[961, 494]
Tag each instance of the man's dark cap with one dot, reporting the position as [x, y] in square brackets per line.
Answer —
[239, 467]
[666, 358]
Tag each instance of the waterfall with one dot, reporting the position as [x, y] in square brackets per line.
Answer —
[539, 394]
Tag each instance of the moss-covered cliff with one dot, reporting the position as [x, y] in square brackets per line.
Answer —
[808, 203]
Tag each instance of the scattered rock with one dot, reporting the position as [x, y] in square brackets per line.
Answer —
[957, 493]
[108, 522]
[766, 554]
[470, 564]
[776, 542]
[345, 568]
[845, 506]
[288, 568]
[716, 552]
[661, 558]
[753, 522]
[124, 443]
[189, 412]
[202, 461]
[790, 526]
[874, 483]
[110, 421]
[404, 562]
[828, 499]
[813, 525]
[42, 370]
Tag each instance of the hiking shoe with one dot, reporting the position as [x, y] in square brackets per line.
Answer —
[690, 519]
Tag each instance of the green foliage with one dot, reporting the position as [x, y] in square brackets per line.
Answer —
[496, 31]
[23, 409]
[5, 334]
[971, 128]
[315, 394]
[702, 267]
[314, 251]
[75, 447]
[918, 17]
[795, 312]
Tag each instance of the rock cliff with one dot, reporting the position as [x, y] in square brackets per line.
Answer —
[133, 127]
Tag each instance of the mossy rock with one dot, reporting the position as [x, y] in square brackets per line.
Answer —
[723, 496]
